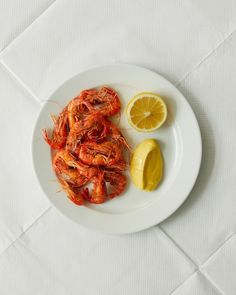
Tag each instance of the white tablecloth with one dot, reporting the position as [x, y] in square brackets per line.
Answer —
[190, 42]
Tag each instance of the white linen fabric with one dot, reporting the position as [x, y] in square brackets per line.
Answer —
[190, 42]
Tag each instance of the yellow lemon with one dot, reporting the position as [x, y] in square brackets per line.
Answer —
[146, 167]
[146, 111]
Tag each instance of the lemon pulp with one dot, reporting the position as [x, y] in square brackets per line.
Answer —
[146, 167]
[146, 111]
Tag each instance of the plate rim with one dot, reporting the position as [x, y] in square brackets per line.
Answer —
[194, 176]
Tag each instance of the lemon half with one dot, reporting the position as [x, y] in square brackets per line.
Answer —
[146, 111]
[146, 167]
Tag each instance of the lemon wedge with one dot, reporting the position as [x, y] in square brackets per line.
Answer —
[146, 111]
[146, 167]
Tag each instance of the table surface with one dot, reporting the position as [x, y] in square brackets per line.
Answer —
[190, 42]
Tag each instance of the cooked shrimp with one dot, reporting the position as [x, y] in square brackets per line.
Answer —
[89, 149]
[102, 154]
[117, 181]
[92, 128]
[59, 135]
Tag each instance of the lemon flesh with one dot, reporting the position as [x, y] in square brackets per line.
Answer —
[146, 111]
[146, 167]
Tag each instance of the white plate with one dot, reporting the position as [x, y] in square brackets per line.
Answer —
[180, 141]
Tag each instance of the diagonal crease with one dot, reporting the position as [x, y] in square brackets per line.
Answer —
[178, 248]
[21, 33]
[213, 283]
[182, 283]
[198, 268]
[216, 250]
[27, 229]
[204, 59]
[209, 280]
[20, 82]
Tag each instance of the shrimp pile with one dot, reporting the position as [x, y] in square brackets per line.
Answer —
[87, 148]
